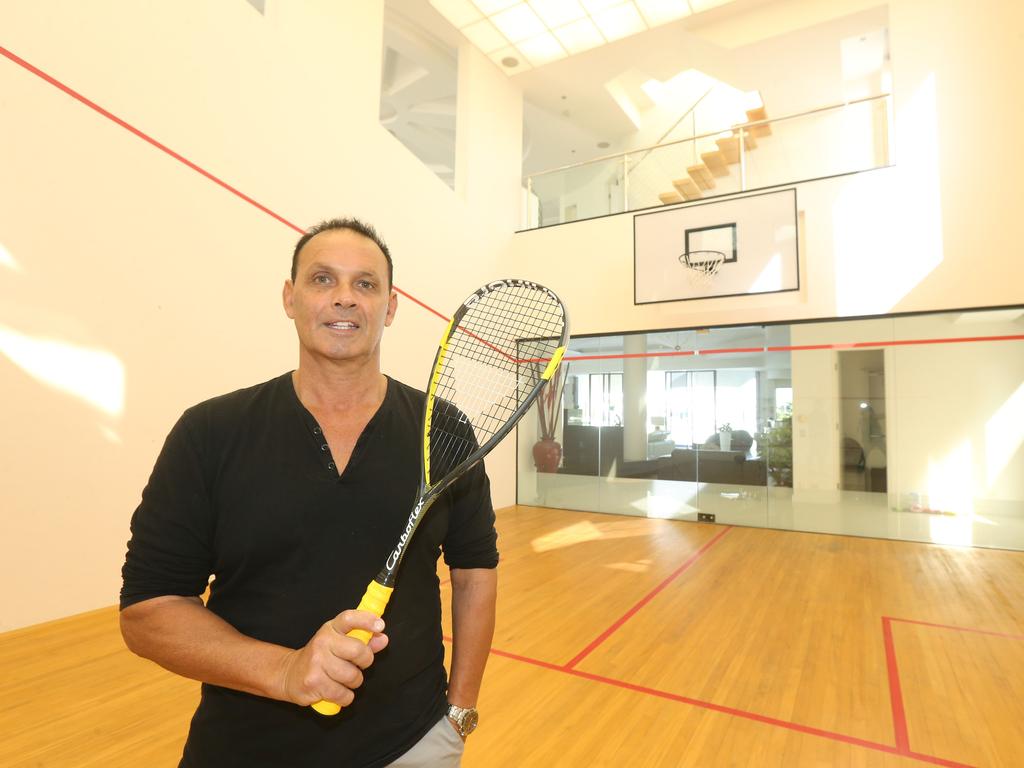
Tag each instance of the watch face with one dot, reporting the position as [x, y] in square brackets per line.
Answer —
[465, 719]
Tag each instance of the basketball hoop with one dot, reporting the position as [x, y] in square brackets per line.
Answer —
[702, 266]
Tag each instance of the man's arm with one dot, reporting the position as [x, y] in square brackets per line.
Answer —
[474, 596]
[183, 636]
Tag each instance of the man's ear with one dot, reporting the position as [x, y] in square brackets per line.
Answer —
[392, 307]
[287, 294]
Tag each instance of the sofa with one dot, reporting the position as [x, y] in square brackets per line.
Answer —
[713, 466]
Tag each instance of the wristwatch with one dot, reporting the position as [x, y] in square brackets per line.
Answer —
[465, 719]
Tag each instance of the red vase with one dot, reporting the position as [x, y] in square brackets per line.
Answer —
[547, 454]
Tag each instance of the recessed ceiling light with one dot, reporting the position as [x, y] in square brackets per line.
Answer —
[510, 53]
[603, 145]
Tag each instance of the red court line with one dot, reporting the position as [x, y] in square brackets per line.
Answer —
[764, 719]
[951, 340]
[736, 350]
[957, 629]
[893, 343]
[681, 353]
[148, 139]
[417, 301]
[797, 347]
[800, 347]
[242, 196]
[180, 158]
[646, 599]
[899, 715]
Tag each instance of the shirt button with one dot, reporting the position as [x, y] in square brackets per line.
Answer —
[316, 430]
[331, 465]
[323, 447]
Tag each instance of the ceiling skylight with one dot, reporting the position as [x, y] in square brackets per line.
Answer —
[518, 34]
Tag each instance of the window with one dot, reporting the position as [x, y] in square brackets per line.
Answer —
[604, 400]
[418, 85]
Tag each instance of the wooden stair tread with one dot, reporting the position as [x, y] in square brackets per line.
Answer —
[730, 148]
[760, 113]
[667, 198]
[716, 163]
[748, 139]
[730, 145]
[701, 176]
[687, 188]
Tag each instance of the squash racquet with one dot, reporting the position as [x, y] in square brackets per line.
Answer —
[499, 350]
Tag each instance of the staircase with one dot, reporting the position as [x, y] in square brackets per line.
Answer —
[715, 164]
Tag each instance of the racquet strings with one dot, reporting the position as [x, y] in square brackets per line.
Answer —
[495, 357]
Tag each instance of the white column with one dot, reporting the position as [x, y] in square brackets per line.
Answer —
[634, 399]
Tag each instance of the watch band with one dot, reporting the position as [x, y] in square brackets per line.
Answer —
[465, 718]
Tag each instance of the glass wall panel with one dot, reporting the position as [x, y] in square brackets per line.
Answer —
[581, 192]
[730, 469]
[838, 469]
[907, 427]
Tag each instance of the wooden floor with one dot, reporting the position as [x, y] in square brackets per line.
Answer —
[636, 642]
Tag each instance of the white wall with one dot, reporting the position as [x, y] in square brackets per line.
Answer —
[123, 265]
[901, 239]
[953, 412]
[958, 414]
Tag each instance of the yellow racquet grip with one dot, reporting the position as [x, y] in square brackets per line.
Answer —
[375, 600]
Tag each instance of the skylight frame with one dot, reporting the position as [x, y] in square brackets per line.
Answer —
[530, 33]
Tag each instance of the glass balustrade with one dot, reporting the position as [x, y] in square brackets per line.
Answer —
[826, 142]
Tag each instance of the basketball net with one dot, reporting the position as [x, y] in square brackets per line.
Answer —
[702, 266]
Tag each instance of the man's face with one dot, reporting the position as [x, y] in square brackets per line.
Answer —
[340, 300]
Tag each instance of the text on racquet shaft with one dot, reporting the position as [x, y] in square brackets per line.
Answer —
[410, 526]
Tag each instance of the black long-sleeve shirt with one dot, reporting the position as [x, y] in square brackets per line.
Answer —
[245, 489]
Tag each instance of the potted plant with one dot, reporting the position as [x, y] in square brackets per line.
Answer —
[725, 436]
[776, 444]
[547, 452]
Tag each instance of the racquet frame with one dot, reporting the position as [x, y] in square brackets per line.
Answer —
[378, 592]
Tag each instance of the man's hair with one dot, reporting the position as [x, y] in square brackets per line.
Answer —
[352, 224]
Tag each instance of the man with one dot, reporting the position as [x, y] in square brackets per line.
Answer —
[290, 494]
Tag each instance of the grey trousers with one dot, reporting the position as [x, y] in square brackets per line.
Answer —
[441, 747]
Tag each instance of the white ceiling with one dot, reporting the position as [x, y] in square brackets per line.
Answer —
[797, 53]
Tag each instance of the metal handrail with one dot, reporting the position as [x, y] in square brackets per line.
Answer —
[675, 125]
[736, 127]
